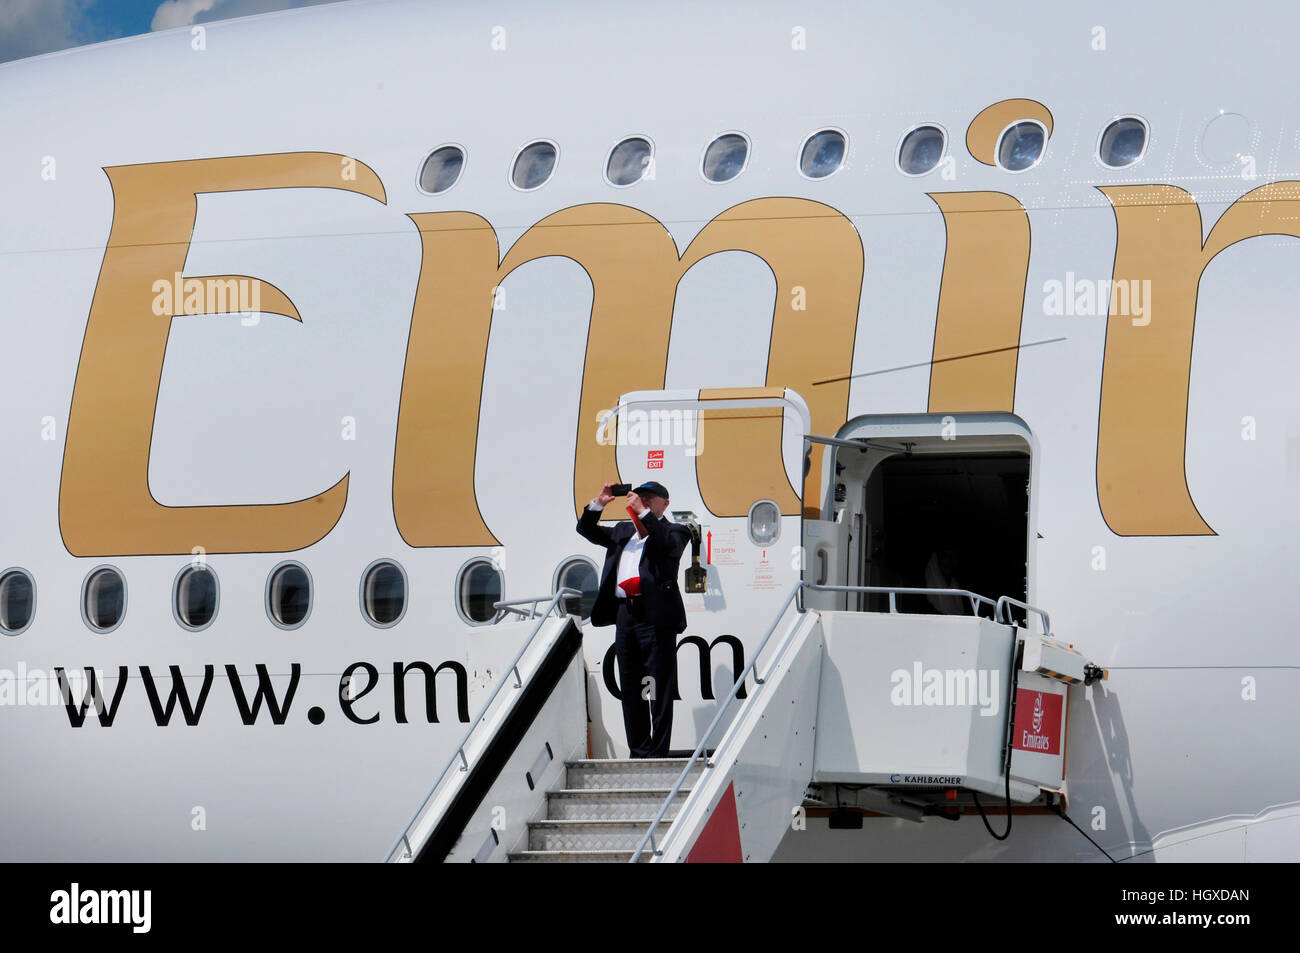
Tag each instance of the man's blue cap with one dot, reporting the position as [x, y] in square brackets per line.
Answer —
[651, 488]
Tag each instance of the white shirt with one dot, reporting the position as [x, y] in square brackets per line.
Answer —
[629, 564]
[936, 579]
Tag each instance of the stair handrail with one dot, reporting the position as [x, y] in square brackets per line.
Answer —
[504, 609]
[975, 598]
[404, 840]
[708, 733]
[1042, 613]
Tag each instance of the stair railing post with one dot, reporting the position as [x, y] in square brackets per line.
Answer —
[502, 609]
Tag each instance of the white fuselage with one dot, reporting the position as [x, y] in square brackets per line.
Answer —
[1189, 737]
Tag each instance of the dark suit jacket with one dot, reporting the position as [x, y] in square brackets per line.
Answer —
[664, 544]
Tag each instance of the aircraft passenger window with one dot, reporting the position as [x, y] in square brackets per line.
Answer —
[725, 158]
[822, 154]
[1021, 146]
[17, 601]
[442, 169]
[1122, 143]
[288, 595]
[383, 593]
[534, 165]
[629, 162]
[579, 573]
[764, 523]
[478, 589]
[103, 601]
[921, 150]
[195, 602]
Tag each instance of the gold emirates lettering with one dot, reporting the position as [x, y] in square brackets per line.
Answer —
[816, 256]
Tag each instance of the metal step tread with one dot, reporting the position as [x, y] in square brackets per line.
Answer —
[629, 762]
[616, 792]
[592, 804]
[584, 835]
[630, 774]
[589, 856]
[564, 823]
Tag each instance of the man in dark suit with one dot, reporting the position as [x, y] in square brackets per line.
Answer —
[639, 596]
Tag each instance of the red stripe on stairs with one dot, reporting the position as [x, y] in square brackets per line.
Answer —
[719, 842]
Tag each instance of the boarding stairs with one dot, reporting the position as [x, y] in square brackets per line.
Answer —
[833, 697]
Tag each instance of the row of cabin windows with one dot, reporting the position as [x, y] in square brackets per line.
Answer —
[196, 597]
[1020, 146]
[196, 591]
[196, 594]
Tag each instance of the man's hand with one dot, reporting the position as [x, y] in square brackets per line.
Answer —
[635, 505]
[604, 497]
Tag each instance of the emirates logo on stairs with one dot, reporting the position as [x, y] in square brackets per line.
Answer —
[1038, 722]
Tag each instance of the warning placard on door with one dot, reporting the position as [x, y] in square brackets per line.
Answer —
[724, 547]
[764, 574]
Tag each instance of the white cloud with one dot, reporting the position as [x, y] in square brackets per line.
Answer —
[174, 13]
[232, 9]
[32, 27]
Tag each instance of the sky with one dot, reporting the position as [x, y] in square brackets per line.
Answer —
[32, 27]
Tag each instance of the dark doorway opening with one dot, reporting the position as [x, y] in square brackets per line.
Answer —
[948, 521]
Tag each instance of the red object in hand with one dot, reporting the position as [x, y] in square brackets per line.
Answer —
[632, 586]
[640, 530]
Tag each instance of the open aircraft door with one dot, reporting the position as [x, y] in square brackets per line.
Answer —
[718, 450]
[732, 461]
[731, 458]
